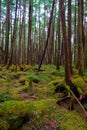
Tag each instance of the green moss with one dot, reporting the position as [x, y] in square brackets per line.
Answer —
[56, 81]
[80, 84]
[14, 111]
[61, 71]
[4, 125]
[15, 91]
[0, 68]
[41, 110]
[45, 92]
[69, 120]
[13, 68]
[0, 75]
[4, 96]
[39, 77]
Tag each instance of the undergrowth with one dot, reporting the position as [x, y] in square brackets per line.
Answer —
[28, 100]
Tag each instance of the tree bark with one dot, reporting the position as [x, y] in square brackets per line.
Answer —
[7, 31]
[69, 34]
[48, 35]
[13, 38]
[80, 36]
[29, 46]
[66, 46]
[59, 40]
[23, 34]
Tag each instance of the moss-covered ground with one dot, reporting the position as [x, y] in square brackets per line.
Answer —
[28, 100]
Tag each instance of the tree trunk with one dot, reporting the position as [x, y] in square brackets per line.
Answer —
[0, 22]
[13, 38]
[80, 42]
[59, 39]
[29, 47]
[48, 35]
[66, 46]
[23, 34]
[7, 31]
[69, 34]
[20, 35]
[85, 51]
[75, 36]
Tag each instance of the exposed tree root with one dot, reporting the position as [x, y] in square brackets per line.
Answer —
[70, 95]
[82, 107]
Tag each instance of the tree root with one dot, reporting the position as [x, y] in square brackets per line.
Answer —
[82, 107]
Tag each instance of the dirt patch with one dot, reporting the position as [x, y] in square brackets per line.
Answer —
[51, 126]
[24, 96]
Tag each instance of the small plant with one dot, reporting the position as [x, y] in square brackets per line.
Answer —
[4, 96]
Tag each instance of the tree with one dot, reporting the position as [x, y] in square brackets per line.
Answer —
[49, 29]
[59, 39]
[0, 22]
[20, 36]
[13, 40]
[23, 33]
[75, 33]
[80, 42]
[69, 34]
[65, 41]
[29, 47]
[7, 31]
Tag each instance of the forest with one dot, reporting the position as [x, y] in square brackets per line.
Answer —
[43, 64]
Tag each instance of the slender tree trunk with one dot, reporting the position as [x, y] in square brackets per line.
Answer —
[13, 38]
[85, 51]
[20, 36]
[7, 31]
[75, 37]
[50, 45]
[40, 49]
[0, 22]
[29, 47]
[80, 42]
[66, 46]
[59, 36]
[35, 38]
[23, 34]
[83, 37]
[48, 35]
[69, 34]
[0, 33]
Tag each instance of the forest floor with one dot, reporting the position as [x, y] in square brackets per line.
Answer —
[29, 100]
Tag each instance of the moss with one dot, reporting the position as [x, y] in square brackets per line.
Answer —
[61, 71]
[0, 75]
[14, 111]
[45, 92]
[4, 125]
[13, 68]
[15, 91]
[0, 68]
[69, 120]
[39, 77]
[4, 96]
[80, 84]
[28, 114]
[56, 81]
[85, 73]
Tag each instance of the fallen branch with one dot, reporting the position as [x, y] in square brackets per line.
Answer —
[82, 107]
